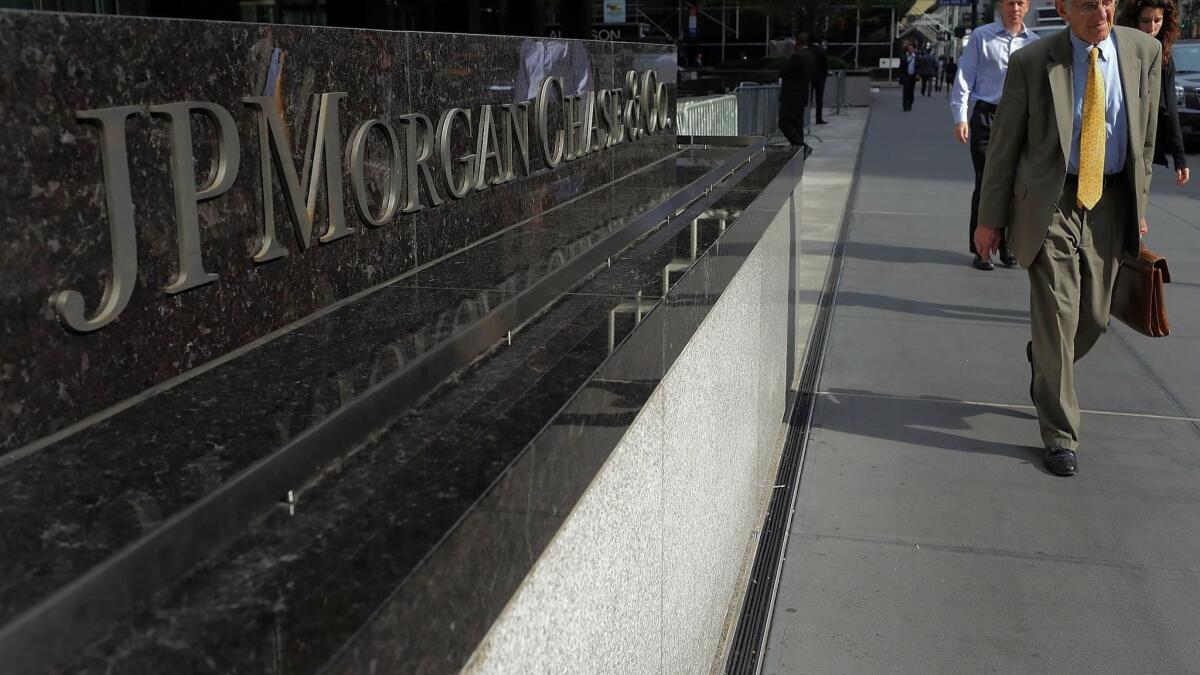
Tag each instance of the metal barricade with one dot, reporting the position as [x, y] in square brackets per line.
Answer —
[707, 116]
[757, 109]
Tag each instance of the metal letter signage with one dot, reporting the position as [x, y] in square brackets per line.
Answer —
[487, 147]
[187, 195]
[516, 128]
[417, 161]
[358, 150]
[552, 144]
[119, 286]
[445, 145]
[496, 143]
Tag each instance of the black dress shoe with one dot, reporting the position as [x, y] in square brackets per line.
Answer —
[1061, 462]
[1007, 258]
[822, 122]
[981, 264]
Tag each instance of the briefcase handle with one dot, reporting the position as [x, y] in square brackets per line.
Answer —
[1149, 260]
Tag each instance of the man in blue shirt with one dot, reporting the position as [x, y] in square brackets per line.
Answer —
[978, 84]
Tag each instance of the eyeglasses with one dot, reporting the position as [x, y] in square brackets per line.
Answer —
[1093, 7]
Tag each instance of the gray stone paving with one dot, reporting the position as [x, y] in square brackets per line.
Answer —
[927, 538]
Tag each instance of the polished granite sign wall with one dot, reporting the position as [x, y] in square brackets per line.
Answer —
[175, 190]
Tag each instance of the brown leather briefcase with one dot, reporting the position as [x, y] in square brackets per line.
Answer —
[1138, 296]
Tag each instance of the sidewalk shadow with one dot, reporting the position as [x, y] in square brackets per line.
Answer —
[905, 254]
[928, 421]
[937, 310]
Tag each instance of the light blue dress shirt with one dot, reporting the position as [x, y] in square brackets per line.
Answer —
[1116, 141]
[983, 65]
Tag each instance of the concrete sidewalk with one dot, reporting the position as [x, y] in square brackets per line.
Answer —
[927, 536]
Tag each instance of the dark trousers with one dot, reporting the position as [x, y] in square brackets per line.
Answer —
[926, 85]
[819, 97]
[909, 84]
[981, 133]
[791, 123]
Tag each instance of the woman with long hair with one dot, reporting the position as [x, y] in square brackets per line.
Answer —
[1160, 19]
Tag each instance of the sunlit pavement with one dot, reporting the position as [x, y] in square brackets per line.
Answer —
[927, 536]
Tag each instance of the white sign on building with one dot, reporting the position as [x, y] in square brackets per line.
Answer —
[614, 11]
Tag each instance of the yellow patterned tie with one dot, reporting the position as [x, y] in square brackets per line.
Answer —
[1091, 136]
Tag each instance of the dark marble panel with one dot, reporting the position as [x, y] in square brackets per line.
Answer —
[685, 170]
[363, 544]
[773, 161]
[400, 556]
[463, 71]
[506, 73]
[520, 513]
[656, 263]
[522, 256]
[661, 258]
[57, 224]
[72, 504]
[629, 56]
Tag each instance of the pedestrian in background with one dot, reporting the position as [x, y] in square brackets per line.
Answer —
[949, 71]
[941, 69]
[797, 76]
[1160, 19]
[820, 73]
[908, 75]
[927, 67]
[1068, 174]
[978, 83]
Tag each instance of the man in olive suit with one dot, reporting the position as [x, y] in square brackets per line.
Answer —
[1068, 173]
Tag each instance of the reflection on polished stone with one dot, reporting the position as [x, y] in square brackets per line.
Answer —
[299, 296]
[427, 391]
[402, 554]
[59, 231]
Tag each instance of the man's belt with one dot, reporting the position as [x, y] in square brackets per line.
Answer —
[1073, 179]
[985, 106]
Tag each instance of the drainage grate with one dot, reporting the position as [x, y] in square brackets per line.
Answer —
[749, 638]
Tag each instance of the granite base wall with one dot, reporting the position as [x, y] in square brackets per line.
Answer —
[647, 572]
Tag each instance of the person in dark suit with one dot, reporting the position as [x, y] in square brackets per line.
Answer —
[908, 74]
[1160, 19]
[1068, 173]
[928, 70]
[797, 76]
[949, 70]
[820, 73]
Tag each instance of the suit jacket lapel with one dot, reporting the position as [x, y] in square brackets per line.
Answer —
[1131, 81]
[1058, 69]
